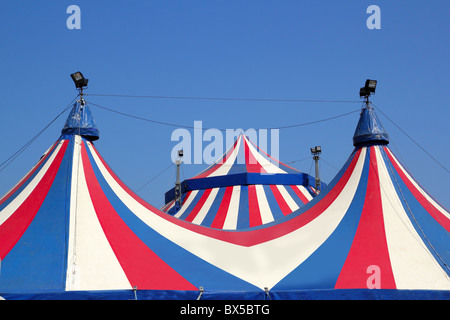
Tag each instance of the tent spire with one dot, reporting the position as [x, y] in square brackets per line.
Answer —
[369, 130]
[80, 120]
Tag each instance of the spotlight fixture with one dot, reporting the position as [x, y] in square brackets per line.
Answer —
[368, 89]
[79, 80]
[316, 150]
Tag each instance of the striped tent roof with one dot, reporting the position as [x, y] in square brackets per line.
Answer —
[71, 229]
[246, 187]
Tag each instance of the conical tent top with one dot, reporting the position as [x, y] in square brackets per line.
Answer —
[81, 122]
[369, 131]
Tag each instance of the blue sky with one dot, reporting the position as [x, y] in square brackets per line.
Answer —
[232, 49]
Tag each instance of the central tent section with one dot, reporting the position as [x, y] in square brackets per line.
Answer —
[244, 188]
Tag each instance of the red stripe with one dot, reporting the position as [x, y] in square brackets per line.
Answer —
[249, 238]
[253, 207]
[221, 215]
[199, 205]
[16, 225]
[369, 247]
[300, 194]
[143, 268]
[24, 179]
[217, 165]
[429, 207]
[280, 200]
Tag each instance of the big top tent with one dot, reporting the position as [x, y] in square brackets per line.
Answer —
[71, 229]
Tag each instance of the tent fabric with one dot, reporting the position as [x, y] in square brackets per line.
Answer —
[71, 229]
[369, 129]
[244, 188]
[81, 122]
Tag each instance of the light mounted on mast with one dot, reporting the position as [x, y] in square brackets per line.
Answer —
[80, 81]
[315, 152]
[368, 89]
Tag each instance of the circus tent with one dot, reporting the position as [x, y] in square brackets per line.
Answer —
[71, 229]
[246, 187]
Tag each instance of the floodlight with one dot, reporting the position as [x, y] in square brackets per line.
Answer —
[368, 89]
[316, 150]
[371, 85]
[79, 80]
[180, 153]
[363, 92]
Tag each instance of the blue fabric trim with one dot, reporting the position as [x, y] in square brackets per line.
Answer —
[243, 179]
[329, 294]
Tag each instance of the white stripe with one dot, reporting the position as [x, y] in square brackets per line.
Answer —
[186, 204]
[17, 202]
[304, 192]
[263, 264]
[201, 214]
[71, 254]
[430, 199]
[231, 219]
[413, 265]
[287, 197]
[94, 264]
[264, 208]
[266, 164]
[224, 168]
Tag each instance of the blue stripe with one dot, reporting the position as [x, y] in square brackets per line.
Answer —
[192, 205]
[321, 269]
[243, 220]
[294, 196]
[195, 270]
[433, 235]
[212, 212]
[39, 260]
[274, 207]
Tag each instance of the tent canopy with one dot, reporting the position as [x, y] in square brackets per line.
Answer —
[71, 229]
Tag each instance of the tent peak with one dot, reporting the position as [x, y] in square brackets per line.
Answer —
[81, 122]
[369, 129]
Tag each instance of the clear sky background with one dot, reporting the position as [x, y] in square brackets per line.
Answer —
[252, 49]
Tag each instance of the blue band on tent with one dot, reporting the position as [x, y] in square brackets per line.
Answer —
[171, 295]
[242, 179]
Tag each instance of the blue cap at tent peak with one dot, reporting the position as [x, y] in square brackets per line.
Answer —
[81, 122]
[369, 130]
